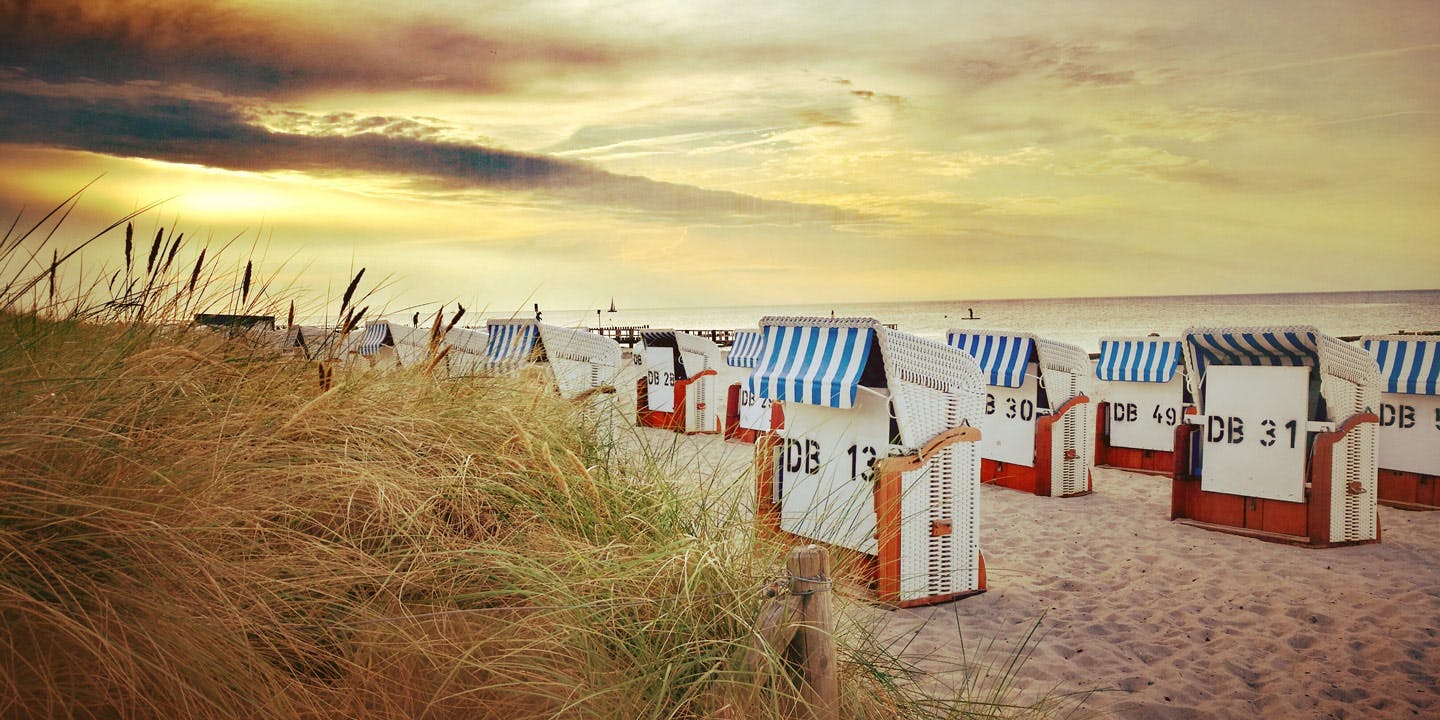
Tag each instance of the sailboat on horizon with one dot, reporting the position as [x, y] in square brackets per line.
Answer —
[612, 305]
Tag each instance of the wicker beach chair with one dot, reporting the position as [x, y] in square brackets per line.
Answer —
[1142, 400]
[579, 361]
[746, 416]
[879, 453]
[1409, 412]
[680, 388]
[1039, 436]
[1284, 445]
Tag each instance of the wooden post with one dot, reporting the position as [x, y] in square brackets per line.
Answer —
[809, 569]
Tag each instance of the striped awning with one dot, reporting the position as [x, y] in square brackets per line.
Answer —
[1152, 361]
[1292, 348]
[745, 351]
[1003, 358]
[1410, 367]
[510, 342]
[814, 365]
[376, 335]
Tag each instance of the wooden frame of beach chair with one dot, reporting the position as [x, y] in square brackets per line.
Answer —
[579, 361]
[746, 416]
[1039, 436]
[1141, 402]
[1284, 446]
[1409, 472]
[879, 457]
[680, 387]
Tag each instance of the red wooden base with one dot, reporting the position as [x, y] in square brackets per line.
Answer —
[1304, 523]
[1408, 490]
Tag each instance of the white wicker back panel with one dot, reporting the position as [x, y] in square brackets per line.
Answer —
[1064, 367]
[1350, 381]
[1355, 460]
[935, 388]
[1073, 436]
[919, 370]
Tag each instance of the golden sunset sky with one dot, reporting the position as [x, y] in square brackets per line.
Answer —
[737, 152]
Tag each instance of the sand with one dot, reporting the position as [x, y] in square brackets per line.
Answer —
[1165, 620]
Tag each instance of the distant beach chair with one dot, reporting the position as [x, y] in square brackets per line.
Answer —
[878, 456]
[1142, 400]
[1284, 445]
[466, 356]
[579, 362]
[386, 345]
[746, 416]
[306, 340]
[1038, 437]
[1409, 472]
[680, 389]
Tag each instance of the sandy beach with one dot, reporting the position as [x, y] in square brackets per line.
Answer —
[1164, 620]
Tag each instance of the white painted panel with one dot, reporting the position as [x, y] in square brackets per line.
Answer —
[1143, 416]
[1007, 432]
[1254, 431]
[1410, 433]
[823, 474]
[754, 411]
[660, 378]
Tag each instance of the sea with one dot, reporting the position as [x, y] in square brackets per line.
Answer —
[1078, 321]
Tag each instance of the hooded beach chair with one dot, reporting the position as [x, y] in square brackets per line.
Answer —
[746, 416]
[879, 455]
[579, 361]
[466, 355]
[680, 389]
[1142, 401]
[1409, 472]
[1039, 437]
[1284, 445]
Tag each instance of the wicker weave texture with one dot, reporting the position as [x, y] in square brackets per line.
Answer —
[936, 387]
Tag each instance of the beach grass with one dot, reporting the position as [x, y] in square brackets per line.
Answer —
[190, 526]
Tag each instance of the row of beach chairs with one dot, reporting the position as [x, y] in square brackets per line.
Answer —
[875, 441]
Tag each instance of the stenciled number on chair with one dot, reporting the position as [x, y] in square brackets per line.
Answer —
[658, 378]
[749, 399]
[862, 462]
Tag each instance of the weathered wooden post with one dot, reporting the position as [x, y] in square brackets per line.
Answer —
[809, 569]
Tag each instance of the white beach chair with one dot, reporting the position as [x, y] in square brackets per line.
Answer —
[681, 383]
[1142, 400]
[1284, 445]
[1039, 436]
[1409, 472]
[879, 453]
[746, 416]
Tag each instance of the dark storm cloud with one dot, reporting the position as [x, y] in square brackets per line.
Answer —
[216, 134]
[207, 45]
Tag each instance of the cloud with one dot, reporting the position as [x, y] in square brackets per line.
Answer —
[999, 59]
[215, 133]
[246, 52]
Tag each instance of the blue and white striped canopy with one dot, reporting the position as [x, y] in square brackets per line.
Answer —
[1241, 346]
[1152, 361]
[376, 335]
[510, 342]
[745, 351]
[811, 364]
[1003, 358]
[1410, 367]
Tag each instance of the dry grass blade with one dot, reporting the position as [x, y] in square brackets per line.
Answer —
[129, 248]
[154, 252]
[350, 290]
[195, 274]
[245, 283]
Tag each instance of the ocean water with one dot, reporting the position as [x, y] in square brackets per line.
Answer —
[1078, 321]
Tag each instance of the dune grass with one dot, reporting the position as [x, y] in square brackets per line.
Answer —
[191, 527]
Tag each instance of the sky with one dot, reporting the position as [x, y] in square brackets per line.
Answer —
[741, 152]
